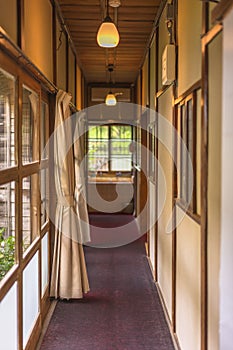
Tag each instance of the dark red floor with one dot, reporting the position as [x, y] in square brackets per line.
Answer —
[121, 312]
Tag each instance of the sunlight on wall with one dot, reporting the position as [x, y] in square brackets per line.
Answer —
[8, 18]
[188, 283]
[38, 34]
[189, 43]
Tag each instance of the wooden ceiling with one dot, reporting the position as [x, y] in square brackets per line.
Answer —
[134, 19]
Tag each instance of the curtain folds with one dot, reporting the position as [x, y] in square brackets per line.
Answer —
[69, 275]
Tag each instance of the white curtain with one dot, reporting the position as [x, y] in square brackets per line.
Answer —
[69, 276]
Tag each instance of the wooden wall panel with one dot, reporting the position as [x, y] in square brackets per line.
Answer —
[214, 187]
[164, 239]
[38, 35]
[8, 18]
[189, 43]
[78, 88]
[71, 74]
[61, 57]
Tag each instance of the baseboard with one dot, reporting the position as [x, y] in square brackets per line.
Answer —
[147, 248]
[46, 323]
[167, 317]
[35, 334]
[151, 267]
[177, 341]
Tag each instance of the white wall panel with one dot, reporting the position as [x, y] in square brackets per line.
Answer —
[188, 283]
[30, 297]
[8, 320]
[44, 263]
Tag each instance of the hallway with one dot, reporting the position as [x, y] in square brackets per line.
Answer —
[129, 131]
[122, 310]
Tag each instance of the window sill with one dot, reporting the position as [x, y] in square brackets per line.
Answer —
[110, 179]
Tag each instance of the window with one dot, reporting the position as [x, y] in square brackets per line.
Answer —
[22, 204]
[7, 227]
[186, 111]
[24, 224]
[7, 120]
[7, 161]
[29, 210]
[44, 173]
[44, 130]
[29, 129]
[109, 148]
[44, 192]
[152, 151]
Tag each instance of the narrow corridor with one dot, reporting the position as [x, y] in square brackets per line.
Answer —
[122, 310]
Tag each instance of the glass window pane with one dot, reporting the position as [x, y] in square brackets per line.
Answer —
[29, 132]
[7, 120]
[29, 210]
[44, 193]
[120, 147]
[121, 132]
[7, 227]
[98, 132]
[98, 155]
[44, 128]
[121, 157]
[120, 164]
[115, 139]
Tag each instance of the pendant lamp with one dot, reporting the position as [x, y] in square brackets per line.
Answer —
[108, 35]
[110, 99]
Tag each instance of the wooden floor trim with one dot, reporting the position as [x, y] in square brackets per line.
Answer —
[46, 323]
[167, 317]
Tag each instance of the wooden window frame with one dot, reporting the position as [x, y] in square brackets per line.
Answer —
[110, 171]
[182, 112]
[152, 144]
[17, 173]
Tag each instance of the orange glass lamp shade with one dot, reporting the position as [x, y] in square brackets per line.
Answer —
[108, 35]
[110, 99]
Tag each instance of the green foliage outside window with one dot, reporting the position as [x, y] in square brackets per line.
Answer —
[108, 148]
[7, 253]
